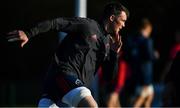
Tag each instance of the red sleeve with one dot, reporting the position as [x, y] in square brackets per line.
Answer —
[174, 51]
[121, 76]
[122, 73]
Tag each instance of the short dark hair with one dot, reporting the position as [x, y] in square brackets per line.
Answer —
[114, 8]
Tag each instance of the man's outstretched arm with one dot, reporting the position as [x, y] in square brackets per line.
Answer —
[68, 25]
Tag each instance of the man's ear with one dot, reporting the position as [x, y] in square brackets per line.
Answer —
[111, 18]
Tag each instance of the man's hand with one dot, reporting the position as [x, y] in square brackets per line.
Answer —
[17, 35]
[116, 43]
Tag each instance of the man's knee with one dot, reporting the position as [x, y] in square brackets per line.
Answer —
[80, 96]
[88, 101]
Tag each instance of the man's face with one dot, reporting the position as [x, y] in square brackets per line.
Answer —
[146, 32]
[117, 22]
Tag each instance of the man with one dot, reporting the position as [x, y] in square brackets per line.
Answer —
[140, 55]
[87, 46]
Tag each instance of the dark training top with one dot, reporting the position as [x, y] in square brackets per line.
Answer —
[139, 53]
[84, 49]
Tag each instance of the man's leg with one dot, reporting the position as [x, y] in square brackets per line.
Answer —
[80, 96]
[87, 101]
[150, 96]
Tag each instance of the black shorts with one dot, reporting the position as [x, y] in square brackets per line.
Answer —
[56, 88]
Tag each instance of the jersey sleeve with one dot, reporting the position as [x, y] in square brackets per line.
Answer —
[68, 25]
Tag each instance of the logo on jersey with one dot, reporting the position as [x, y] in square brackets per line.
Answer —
[94, 38]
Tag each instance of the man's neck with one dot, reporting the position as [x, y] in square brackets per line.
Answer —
[105, 27]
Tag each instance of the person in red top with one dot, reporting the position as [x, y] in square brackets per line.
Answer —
[111, 93]
[171, 95]
[176, 47]
[172, 54]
